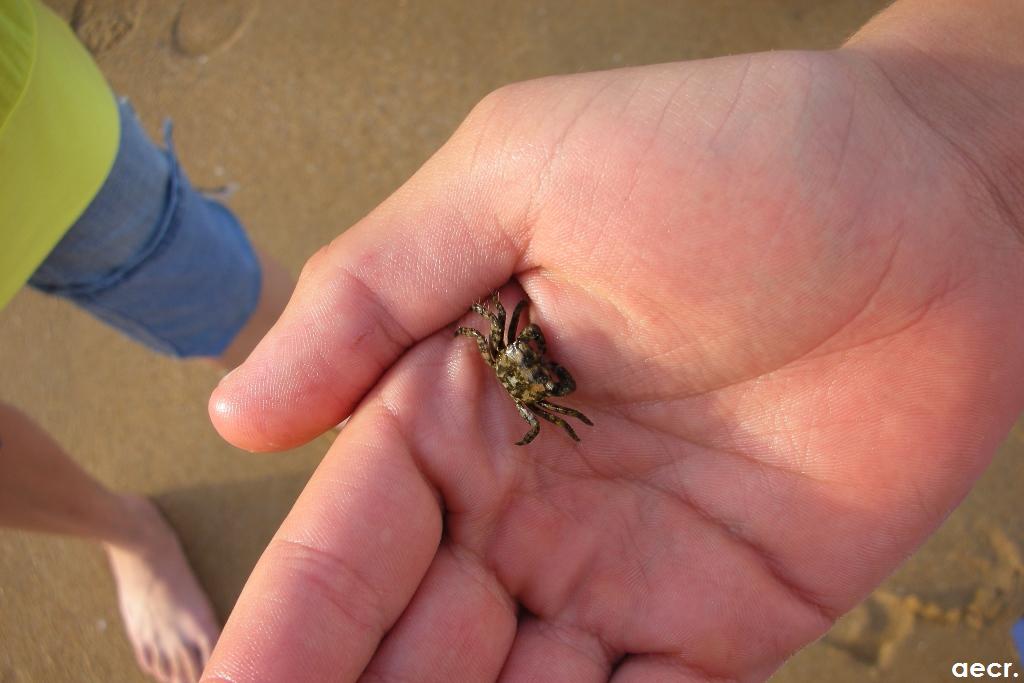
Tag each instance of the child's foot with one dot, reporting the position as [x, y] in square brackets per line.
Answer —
[169, 619]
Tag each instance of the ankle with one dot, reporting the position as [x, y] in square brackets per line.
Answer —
[141, 525]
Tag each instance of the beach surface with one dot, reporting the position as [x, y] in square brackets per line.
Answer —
[309, 114]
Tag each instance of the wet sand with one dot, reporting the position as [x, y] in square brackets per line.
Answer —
[314, 112]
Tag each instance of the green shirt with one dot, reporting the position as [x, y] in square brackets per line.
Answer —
[59, 133]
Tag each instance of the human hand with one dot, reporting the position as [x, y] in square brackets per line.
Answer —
[785, 314]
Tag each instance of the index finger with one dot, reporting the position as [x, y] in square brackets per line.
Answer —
[340, 570]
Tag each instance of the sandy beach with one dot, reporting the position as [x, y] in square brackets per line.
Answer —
[307, 115]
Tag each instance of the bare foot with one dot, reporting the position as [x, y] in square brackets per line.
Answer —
[169, 619]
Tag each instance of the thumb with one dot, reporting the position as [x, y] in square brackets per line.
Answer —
[412, 266]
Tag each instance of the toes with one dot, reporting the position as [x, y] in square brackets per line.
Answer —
[181, 663]
[205, 649]
[200, 644]
[146, 658]
[189, 664]
[165, 667]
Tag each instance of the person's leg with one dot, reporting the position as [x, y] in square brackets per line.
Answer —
[165, 264]
[169, 619]
[175, 271]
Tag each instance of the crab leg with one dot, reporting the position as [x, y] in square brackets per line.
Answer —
[497, 322]
[498, 325]
[485, 350]
[515, 320]
[565, 411]
[557, 420]
[532, 332]
[534, 425]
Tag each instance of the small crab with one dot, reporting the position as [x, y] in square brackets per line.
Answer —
[519, 363]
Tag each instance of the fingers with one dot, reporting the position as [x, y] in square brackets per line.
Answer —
[459, 627]
[340, 570]
[655, 668]
[549, 652]
[409, 268]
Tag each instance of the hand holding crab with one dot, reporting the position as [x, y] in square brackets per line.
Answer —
[798, 358]
[519, 363]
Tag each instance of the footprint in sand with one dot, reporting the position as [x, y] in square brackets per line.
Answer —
[874, 631]
[206, 26]
[102, 24]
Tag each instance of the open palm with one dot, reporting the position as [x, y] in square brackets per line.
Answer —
[782, 299]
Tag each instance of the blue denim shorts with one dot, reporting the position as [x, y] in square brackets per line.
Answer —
[154, 258]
